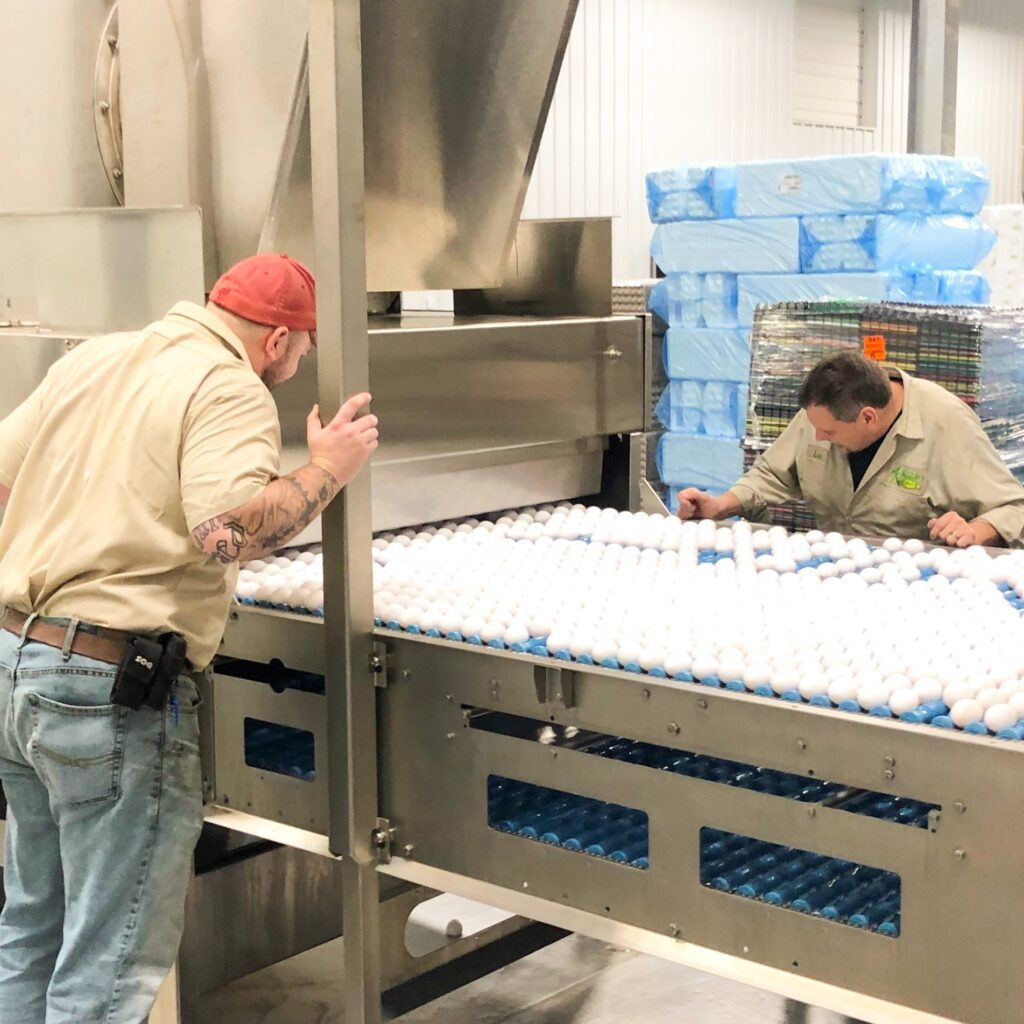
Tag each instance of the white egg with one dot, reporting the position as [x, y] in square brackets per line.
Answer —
[704, 666]
[928, 689]
[966, 711]
[842, 689]
[990, 696]
[872, 695]
[903, 699]
[1000, 716]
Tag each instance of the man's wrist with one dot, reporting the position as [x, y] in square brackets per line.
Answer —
[986, 534]
[326, 469]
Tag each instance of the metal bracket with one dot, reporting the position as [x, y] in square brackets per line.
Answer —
[554, 686]
[380, 664]
[650, 500]
[382, 836]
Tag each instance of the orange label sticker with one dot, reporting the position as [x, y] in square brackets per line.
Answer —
[874, 346]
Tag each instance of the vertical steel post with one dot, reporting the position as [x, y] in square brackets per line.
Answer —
[934, 52]
[336, 131]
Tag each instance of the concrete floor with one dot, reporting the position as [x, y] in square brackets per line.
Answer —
[574, 981]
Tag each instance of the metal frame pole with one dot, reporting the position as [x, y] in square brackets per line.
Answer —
[934, 53]
[336, 132]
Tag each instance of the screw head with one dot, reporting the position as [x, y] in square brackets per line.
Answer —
[959, 807]
[673, 727]
[960, 854]
[407, 850]
[812, 812]
[104, 107]
[645, 693]
[889, 775]
[674, 930]
[801, 744]
[702, 704]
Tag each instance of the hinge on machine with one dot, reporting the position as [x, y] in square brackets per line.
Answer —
[381, 838]
[379, 664]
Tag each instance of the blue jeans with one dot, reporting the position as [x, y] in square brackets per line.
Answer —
[104, 809]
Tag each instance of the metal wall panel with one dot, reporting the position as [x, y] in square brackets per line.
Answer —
[990, 100]
[650, 83]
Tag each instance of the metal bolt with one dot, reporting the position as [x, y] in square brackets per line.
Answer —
[890, 762]
[801, 744]
[889, 775]
[379, 838]
[407, 850]
[448, 697]
[449, 735]
[526, 885]
[746, 949]
[645, 693]
[375, 662]
[959, 807]
[811, 812]
[960, 854]
[117, 173]
[702, 704]
[674, 930]
[112, 42]
[673, 727]
[406, 673]
[104, 107]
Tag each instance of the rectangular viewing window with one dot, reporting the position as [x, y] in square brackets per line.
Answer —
[782, 876]
[804, 789]
[567, 820]
[280, 749]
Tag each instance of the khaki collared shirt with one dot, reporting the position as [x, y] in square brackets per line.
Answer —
[936, 459]
[130, 442]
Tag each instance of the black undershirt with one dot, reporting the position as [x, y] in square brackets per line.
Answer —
[860, 461]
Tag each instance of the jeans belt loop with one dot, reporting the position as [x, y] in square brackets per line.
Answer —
[25, 628]
[69, 639]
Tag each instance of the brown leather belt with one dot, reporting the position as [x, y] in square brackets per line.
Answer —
[90, 641]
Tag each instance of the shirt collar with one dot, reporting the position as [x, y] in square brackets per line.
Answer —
[212, 323]
[909, 424]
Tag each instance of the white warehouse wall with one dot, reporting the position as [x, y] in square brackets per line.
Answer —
[652, 83]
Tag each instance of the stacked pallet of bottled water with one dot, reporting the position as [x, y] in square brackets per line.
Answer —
[731, 238]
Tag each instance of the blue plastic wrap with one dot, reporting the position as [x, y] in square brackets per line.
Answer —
[861, 183]
[695, 300]
[857, 242]
[707, 355]
[704, 408]
[691, 192]
[940, 287]
[708, 463]
[770, 246]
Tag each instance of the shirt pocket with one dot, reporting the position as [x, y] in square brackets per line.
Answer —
[78, 751]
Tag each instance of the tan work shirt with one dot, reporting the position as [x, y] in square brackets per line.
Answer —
[935, 459]
[131, 441]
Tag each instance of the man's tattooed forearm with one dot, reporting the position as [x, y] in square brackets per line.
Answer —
[284, 508]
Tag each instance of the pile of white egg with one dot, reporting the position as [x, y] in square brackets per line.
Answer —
[810, 617]
[293, 581]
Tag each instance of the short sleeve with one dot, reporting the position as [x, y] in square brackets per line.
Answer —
[231, 444]
[17, 432]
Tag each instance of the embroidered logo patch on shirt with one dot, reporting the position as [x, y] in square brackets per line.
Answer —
[815, 453]
[908, 479]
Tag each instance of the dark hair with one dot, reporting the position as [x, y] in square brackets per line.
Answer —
[844, 384]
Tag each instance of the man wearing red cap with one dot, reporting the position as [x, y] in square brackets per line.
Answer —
[135, 478]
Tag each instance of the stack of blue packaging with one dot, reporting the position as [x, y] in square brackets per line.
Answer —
[731, 237]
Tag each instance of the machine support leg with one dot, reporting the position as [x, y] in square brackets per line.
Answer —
[336, 135]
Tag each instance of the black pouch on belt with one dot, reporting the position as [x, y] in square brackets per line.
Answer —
[147, 670]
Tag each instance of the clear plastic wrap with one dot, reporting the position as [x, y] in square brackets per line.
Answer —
[704, 462]
[695, 300]
[770, 246]
[943, 287]
[861, 183]
[707, 355]
[704, 408]
[857, 242]
[691, 192]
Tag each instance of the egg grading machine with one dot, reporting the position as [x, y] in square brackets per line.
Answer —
[413, 734]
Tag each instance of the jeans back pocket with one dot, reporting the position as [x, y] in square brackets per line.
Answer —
[77, 750]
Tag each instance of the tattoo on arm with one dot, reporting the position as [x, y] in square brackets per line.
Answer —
[284, 508]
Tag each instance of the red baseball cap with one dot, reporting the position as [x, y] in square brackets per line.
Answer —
[271, 289]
